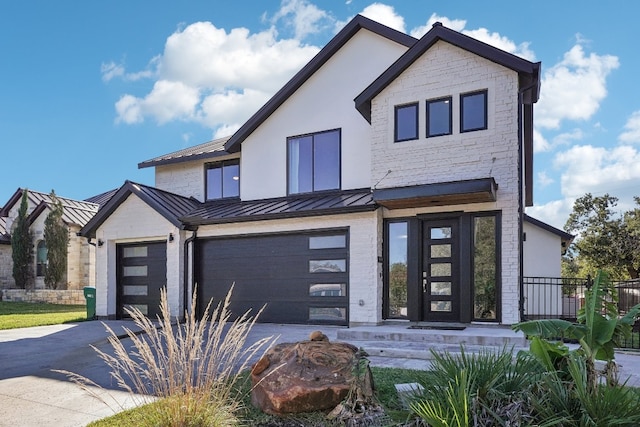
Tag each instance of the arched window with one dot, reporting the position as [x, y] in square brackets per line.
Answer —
[41, 258]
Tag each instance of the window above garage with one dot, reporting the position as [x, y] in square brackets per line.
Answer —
[314, 162]
[223, 180]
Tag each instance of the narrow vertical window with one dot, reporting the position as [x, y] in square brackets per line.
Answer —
[223, 180]
[473, 111]
[485, 268]
[41, 258]
[439, 117]
[397, 269]
[406, 122]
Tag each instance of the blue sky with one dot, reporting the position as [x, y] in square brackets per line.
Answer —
[90, 89]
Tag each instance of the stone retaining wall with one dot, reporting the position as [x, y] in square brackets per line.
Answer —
[45, 295]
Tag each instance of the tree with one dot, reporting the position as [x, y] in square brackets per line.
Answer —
[605, 239]
[22, 247]
[56, 237]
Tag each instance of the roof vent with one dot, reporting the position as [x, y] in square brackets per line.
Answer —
[437, 24]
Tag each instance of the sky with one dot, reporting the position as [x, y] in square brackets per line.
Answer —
[90, 89]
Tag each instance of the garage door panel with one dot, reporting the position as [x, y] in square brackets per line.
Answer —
[275, 270]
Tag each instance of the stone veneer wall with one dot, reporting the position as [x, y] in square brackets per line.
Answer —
[45, 295]
[6, 267]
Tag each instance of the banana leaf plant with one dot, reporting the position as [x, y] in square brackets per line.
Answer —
[599, 329]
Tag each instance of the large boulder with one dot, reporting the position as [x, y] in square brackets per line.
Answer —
[306, 376]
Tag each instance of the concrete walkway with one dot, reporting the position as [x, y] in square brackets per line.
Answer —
[31, 394]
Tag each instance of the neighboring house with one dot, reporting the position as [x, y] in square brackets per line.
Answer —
[80, 258]
[386, 180]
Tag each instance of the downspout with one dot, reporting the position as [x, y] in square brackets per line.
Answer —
[521, 202]
[186, 298]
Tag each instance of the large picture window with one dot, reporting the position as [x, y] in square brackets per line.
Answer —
[473, 111]
[314, 162]
[439, 117]
[406, 122]
[223, 179]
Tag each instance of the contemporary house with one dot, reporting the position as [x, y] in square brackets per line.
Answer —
[80, 255]
[386, 180]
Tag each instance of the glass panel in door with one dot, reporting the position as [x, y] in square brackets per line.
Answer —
[440, 271]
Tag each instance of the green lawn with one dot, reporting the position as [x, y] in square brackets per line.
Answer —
[24, 314]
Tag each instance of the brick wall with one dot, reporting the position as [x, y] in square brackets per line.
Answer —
[45, 295]
[445, 70]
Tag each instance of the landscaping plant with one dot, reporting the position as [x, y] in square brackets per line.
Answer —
[189, 370]
[599, 329]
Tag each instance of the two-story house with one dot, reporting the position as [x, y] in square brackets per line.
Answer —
[386, 180]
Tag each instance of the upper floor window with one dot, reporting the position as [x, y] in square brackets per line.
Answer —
[439, 117]
[473, 111]
[223, 179]
[314, 162]
[406, 122]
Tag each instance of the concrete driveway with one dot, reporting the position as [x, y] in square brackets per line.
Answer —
[31, 394]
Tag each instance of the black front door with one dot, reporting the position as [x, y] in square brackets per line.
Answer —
[441, 270]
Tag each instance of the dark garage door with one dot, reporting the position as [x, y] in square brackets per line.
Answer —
[302, 278]
[142, 272]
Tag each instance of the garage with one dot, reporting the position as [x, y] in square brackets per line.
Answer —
[301, 277]
[142, 272]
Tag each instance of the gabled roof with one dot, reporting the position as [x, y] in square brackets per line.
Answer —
[326, 203]
[529, 72]
[76, 212]
[355, 25]
[564, 236]
[5, 237]
[170, 206]
[207, 150]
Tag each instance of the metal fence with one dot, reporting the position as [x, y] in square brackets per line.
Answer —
[562, 297]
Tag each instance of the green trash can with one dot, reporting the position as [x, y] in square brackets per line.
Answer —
[90, 296]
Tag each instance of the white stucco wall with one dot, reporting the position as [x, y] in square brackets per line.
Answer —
[445, 70]
[134, 221]
[365, 229]
[324, 102]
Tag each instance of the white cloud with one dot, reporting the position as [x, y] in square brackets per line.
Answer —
[111, 70]
[202, 64]
[598, 170]
[540, 143]
[385, 15]
[573, 88]
[167, 101]
[482, 34]
[632, 129]
[305, 18]
[544, 179]
[554, 213]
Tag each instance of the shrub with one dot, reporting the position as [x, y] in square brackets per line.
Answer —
[193, 368]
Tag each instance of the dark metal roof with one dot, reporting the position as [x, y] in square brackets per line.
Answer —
[438, 194]
[102, 198]
[76, 212]
[170, 206]
[5, 238]
[217, 212]
[355, 25]
[207, 150]
[551, 229]
[529, 72]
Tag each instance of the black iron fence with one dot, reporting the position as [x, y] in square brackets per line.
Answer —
[562, 297]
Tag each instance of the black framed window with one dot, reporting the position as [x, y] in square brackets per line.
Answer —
[314, 162]
[406, 122]
[485, 267]
[223, 179]
[473, 111]
[439, 117]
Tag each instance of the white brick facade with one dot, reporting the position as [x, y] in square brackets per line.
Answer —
[445, 70]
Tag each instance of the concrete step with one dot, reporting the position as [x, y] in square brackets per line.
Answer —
[399, 341]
